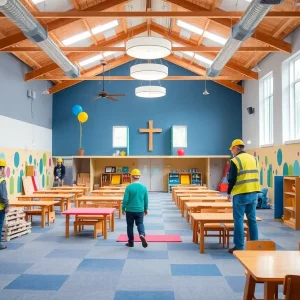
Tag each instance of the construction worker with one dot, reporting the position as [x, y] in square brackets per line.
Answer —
[243, 185]
[59, 173]
[4, 205]
[135, 205]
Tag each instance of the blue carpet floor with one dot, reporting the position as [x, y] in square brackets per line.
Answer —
[45, 265]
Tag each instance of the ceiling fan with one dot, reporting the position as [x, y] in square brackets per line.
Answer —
[104, 94]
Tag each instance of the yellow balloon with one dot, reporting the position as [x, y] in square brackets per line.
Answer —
[83, 117]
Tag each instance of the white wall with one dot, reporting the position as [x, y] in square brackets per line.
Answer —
[272, 63]
[22, 135]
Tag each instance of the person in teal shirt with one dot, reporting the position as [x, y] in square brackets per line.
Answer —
[135, 206]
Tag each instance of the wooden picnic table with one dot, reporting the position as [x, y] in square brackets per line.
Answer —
[199, 219]
[42, 204]
[269, 267]
[62, 198]
[86, 189]
[194, 193]
[101, 200]
[191, 206]
[84, 211]
[210, 198]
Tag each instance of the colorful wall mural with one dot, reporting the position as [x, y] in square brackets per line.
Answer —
[278, 160]
[17, 160]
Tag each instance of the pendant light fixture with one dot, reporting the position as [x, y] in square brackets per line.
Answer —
[205, 93]
[148, 47]
[150, 91]
[150, 71]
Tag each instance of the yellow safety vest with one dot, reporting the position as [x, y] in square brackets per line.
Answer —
[2, 206]
[247, 180]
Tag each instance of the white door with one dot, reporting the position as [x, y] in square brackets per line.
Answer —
[157, 175]
[144, 167]
[216, 171]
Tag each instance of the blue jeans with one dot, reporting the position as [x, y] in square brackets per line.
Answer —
[244, 204]
[138, 218]
[2, 216]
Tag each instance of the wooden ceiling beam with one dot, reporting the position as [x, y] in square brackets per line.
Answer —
[216, 14]
[258, 35]
[129, 78]
[201, 71]
[98, 48]
[19, 37]
[77, 56]
[94, 72]
[230, 65]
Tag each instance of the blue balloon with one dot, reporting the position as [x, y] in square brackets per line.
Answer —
[77, 109]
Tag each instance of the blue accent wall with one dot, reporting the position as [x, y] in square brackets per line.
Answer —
[212, 121]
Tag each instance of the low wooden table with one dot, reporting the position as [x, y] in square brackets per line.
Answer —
[205, 218]
[194, 193]
[84, 211]
[42, 204]
[186, 187]
[86, 189]
[211, 198]
[269, 267]
[77, 192]
[102, 199]
[108, 192]
[190, 206]
[62, 198]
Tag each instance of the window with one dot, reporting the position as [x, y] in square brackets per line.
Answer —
[120, 136]
[179, 136]
[266, 110]
[294, 105]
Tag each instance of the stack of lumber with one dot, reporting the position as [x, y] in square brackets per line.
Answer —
[15, 224]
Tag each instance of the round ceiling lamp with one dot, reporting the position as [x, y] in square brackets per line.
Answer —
[149, 71]
[148, 47]
[150, 91]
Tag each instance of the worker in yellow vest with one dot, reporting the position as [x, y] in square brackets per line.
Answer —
[243, 185]
[4, 206]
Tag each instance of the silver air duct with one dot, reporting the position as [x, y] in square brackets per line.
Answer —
[32, 29]
[244, 29]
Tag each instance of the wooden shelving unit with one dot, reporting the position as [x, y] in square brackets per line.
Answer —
[291, 202]
[185, 178]
[107, 179]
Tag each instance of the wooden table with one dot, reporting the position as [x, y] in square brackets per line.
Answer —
[189, 206]
[194, 193]
[102, 199]
[76, 192]
[84, 211]
[110, 187]
[186, 187]
[49, 197]
[269, 267]
[108, 192]
[210, 198]
[42, 204]
[85, 189]
[205, 218]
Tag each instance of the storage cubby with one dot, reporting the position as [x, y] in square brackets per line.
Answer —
[291, 201]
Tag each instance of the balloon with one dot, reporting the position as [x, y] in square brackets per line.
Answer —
[180, 152]
[77, 109]
[83, 117]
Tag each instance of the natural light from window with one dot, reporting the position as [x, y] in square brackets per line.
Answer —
[37, 1]
[266, 110]
[81, 36]
[199, 31]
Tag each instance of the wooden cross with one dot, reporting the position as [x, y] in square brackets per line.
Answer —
[150, 131]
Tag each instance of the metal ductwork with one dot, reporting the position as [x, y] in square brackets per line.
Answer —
[34, 31]
[244, 29]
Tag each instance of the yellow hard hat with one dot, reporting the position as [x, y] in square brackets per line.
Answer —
[135, 172]
[237, 142]
[59, 160]
[2, 162]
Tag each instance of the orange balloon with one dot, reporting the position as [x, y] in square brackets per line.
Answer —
[83, 117]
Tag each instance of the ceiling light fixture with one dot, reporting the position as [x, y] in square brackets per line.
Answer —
[244, 29]
[148, 47]
[149, 71]
[205, 93]
[150, 91]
